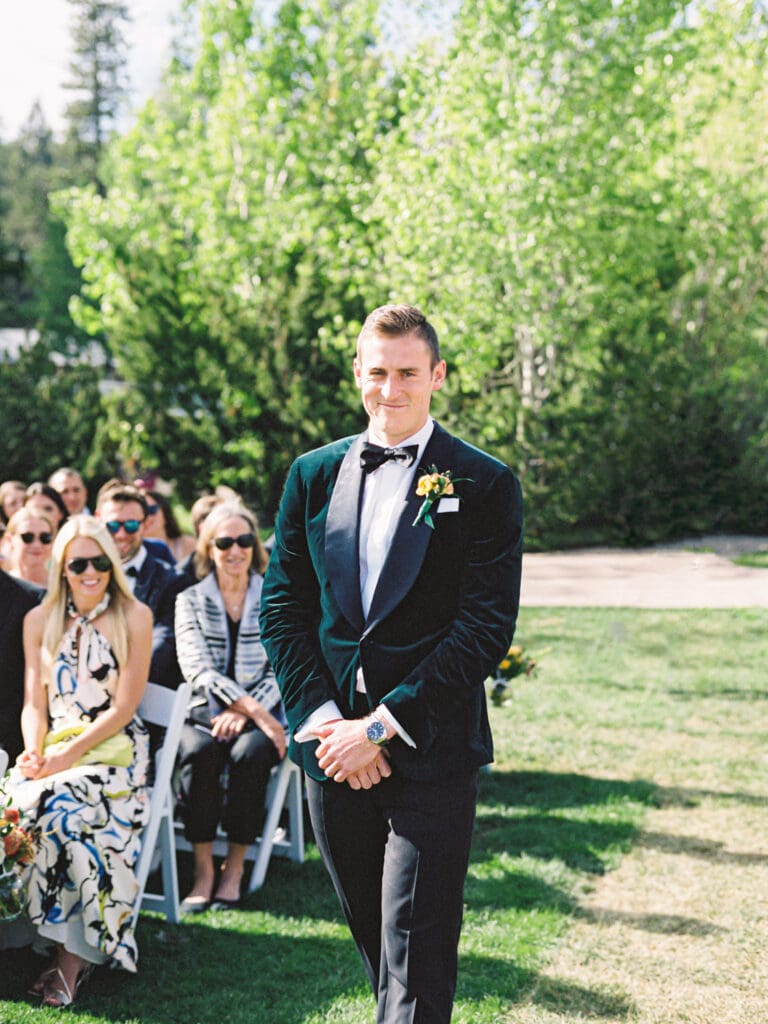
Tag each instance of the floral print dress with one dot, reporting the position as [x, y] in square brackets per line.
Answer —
[89, 818]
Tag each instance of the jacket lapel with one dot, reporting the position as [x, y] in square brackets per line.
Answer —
[409, 544]
[342, 555]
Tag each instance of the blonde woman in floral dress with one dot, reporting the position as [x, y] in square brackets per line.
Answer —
[81, 779]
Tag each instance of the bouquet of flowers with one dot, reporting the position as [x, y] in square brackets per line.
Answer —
[17, 849]
[514, 663]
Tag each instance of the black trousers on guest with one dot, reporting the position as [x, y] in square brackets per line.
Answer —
[202, 799]
[398, 855]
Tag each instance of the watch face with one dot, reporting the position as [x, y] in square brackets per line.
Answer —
[376, 733]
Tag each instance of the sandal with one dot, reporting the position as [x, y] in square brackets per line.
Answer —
[38, 988]
[57, 993]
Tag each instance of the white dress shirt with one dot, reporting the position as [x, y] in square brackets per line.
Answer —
[385, 492]
[134, 563]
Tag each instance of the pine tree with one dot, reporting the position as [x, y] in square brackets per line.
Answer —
[98, 79]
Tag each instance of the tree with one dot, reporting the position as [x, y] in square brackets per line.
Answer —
[98, 80]
[229, 240]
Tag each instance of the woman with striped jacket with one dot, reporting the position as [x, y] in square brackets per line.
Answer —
[235, 717]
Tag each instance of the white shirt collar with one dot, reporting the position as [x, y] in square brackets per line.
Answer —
[137, 561]
[421, 437]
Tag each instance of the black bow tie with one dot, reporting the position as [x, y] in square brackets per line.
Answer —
[131, 571]
[373, 455]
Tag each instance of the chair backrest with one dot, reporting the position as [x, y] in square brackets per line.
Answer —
[167, 708]
[3, 761]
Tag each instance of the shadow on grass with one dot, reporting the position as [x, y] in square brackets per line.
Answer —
[211, 973]
[563, 997]
[692, 846]
[545, 826]
[659, 924]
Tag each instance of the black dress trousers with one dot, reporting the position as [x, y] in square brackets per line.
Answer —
[398, 855]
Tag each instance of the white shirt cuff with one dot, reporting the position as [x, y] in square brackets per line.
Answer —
[325, 713]
[383, 712]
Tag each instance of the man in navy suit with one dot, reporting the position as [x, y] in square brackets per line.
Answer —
[383, 613]
[123, 509]
[16, 599]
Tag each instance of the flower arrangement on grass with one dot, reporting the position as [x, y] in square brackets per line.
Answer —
[514, 663]
[17, 850]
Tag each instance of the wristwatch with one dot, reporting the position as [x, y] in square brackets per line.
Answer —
[376, 733]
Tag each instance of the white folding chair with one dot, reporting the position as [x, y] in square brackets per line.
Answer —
[285, 785]
[3, 761]
[167, 708]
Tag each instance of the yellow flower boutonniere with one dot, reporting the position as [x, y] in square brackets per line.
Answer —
[433, 486]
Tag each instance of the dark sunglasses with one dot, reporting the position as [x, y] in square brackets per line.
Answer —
[245, 540]
[101, 563]
[129, 525]
[44, 538]
[152, 510]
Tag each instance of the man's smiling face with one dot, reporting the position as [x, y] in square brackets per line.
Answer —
[396, 380]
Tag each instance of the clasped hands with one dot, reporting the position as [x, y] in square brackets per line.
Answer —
[38, 766]
[347, 755]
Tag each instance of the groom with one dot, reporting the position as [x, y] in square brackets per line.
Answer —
[381, 632]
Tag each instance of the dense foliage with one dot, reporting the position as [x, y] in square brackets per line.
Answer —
[575, 191]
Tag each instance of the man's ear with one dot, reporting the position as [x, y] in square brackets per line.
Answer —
[357, 371]
[438, 375]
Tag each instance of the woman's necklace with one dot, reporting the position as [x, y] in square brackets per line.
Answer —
[234, 602]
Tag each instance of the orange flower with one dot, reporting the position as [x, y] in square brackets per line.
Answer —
[12, 815]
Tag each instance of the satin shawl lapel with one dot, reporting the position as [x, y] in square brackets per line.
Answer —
[342, 554]
[409, 544]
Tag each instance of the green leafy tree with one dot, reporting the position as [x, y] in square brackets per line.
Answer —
[229, 241]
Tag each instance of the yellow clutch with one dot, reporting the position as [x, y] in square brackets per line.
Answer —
[116, 750]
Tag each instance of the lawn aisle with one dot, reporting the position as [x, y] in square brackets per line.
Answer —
[678, 933]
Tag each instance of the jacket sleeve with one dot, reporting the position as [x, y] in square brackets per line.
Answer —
[290, 610]
[196, 660]
[484, 624]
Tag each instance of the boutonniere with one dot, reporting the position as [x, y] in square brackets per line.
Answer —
[433, 486]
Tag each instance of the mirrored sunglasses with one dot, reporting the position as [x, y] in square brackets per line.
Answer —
[44, 538]
[152, 510]
[245, 540]
[129, 525]
[101, 563]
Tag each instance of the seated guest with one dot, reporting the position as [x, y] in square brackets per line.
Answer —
[151, 580]
[43, 498]
[69, 484]
[27, 546]
[12, 494]
[198, 514]
[16, 599]
[156, 547]
[80, 781]
[235, 717]
[163, 525]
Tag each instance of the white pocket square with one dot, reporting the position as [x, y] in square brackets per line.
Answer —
[448, 505]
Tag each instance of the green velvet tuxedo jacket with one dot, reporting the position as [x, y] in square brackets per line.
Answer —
[442, 616]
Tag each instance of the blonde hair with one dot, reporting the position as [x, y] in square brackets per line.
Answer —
[55, 601]
[24, 513]
[218, 514]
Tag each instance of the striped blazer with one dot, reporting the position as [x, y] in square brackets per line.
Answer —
[202, 645]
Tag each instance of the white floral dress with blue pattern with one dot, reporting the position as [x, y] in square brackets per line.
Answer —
[82, 884]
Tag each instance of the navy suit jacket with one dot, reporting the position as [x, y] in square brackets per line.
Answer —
[16, 599]
[441, 619]
[157, 585]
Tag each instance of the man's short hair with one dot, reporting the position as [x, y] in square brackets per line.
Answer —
[395, 321]
[117, 490]
[66, 471]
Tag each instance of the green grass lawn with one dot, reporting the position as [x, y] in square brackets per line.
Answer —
[564, 800]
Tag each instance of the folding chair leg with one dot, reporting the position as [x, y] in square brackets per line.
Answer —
[276, 802]
[296, 816]
[168, 869]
